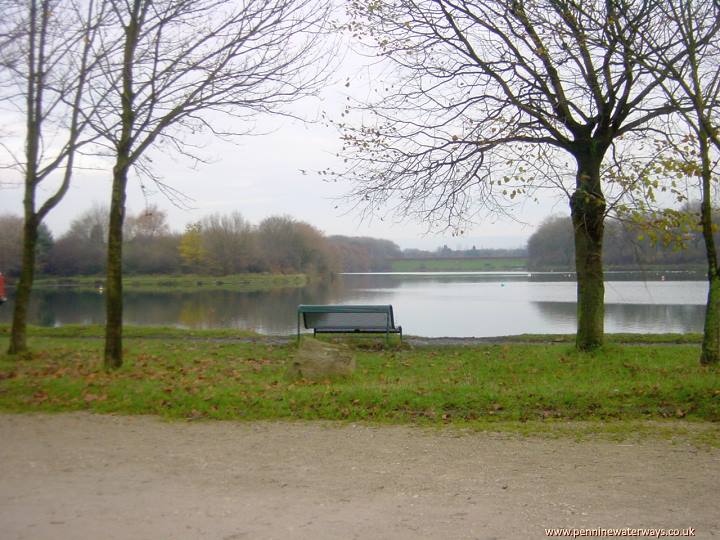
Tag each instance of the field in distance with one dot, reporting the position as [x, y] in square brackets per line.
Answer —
[460, 264]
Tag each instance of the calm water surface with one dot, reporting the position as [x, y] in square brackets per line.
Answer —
[425, 304]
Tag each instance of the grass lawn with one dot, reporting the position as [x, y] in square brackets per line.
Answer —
[624, 390]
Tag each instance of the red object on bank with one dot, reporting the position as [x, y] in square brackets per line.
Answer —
[2, 288]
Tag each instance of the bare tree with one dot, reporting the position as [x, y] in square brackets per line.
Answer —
[10, 244]
[186, 66]
[229, 244]
[149, 245]
[682, 50]
[46, 51]
[81, 250]
[11, 228]
[90, 225]
[150, 223]
[496, 98]
[288, 245]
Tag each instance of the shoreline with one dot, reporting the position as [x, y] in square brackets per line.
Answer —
[175, 283]
[71, 331]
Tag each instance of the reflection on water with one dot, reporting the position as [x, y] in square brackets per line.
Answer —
[271, 312]
[428, 304]
[632, 318]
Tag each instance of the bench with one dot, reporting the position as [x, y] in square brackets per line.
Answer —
[348, 320]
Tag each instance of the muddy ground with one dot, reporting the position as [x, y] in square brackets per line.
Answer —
[82, 476]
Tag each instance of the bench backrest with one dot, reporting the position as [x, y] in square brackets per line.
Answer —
[319, 317]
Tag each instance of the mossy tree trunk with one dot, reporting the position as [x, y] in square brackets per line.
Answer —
[711, 338]
[587, 206]
[114, 285]
[710, 352]
[18, 334]
[34, 113]
[113, 358]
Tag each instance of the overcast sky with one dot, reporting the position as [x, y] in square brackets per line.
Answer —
[263, 175]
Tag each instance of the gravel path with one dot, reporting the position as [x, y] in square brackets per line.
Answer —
[80, 476]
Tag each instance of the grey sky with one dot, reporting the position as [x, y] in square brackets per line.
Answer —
[263, 175]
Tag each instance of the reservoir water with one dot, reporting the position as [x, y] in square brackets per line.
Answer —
[477, 304]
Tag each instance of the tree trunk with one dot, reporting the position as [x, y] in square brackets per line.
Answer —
[18, 337]
[710, 352]
[587, 207]
[113, 286]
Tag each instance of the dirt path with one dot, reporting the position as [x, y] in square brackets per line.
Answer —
[103, 477]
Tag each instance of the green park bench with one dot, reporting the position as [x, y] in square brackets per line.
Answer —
[348, 320]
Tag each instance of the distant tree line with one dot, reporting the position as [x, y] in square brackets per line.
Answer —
[364, 254]
[215, 245]
[625, 245]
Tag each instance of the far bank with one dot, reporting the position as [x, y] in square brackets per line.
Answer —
[186, 282]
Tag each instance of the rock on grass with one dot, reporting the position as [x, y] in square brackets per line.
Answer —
[316, 359]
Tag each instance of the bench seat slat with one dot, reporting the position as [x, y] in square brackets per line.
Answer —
[307, 308]
[371, 329]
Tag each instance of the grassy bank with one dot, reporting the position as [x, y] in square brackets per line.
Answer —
[458, 265]
[142, 332]
[171, 332]
[184, 282]
[521, 387]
